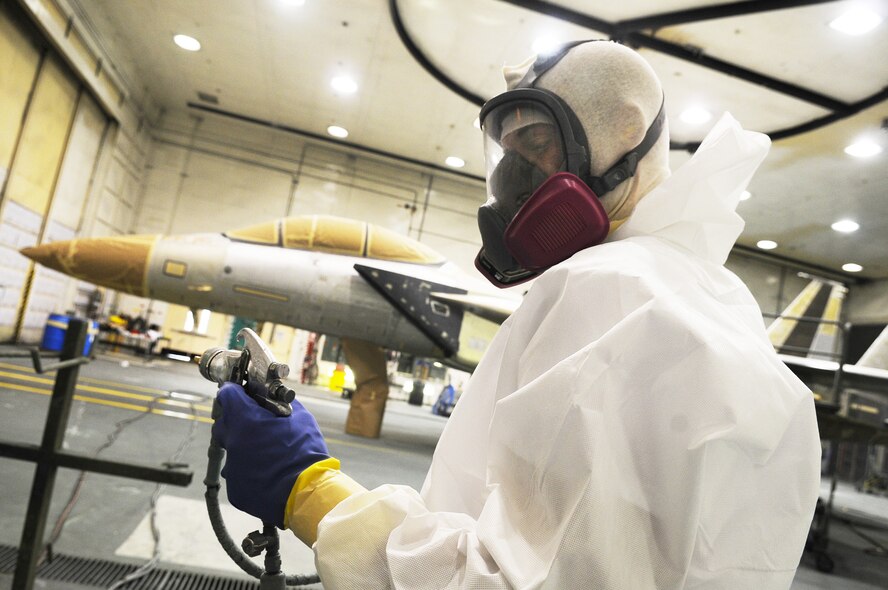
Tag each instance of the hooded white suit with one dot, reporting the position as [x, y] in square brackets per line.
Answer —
[630, 427]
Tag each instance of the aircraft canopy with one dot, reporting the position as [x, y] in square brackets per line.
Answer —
[337, 235]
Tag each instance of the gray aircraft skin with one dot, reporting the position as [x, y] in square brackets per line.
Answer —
[429, 309]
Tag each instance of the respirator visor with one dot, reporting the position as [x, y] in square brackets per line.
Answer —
[528, 138]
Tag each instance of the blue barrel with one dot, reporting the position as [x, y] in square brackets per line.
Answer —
[57, 326]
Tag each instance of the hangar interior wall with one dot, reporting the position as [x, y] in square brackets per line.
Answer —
[75, 164]
[67, 169]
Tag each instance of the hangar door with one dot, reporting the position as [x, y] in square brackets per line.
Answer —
[50, 136]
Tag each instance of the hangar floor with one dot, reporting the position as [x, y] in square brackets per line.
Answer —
[110, 520]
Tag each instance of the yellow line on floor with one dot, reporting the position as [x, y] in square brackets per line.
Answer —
[135, 396]
[29, 369]
[114, 404]
[111, 392]
[119, 384]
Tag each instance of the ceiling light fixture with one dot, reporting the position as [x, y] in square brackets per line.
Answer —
[766, 244]
[852, 267]
[337, 131]
[344, 84]
[865, 148]
[745, 195]
[845, 226]
[857, 21]
[695, 115]
[455, 162]
[544, 45]
[187, 43]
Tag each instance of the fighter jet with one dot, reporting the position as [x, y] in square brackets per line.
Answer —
[373, 287]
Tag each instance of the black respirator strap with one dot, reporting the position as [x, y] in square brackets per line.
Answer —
[544, 63]
[625, 166]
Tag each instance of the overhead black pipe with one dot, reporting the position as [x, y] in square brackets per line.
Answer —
[691, 15]
[721, 66]
[622, 32]
[419, 56]
[851, 109]
[840, 110]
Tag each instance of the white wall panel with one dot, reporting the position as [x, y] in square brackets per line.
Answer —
[220, 193]
[160, 188]
[79, 163]
[460, 253]
[21, 59]
[319, 196]
[49, 289]
[868, 303]
[19, 228]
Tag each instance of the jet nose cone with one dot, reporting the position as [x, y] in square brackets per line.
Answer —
[119, 262]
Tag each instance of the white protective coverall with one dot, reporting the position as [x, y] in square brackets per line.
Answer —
[630, 427]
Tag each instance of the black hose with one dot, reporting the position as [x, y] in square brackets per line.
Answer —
[215, 458]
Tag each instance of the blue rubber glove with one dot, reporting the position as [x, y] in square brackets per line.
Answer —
[265, 452]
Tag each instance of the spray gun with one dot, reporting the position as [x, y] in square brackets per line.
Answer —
[255, 369]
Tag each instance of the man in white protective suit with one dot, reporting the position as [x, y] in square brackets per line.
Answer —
[630, 426]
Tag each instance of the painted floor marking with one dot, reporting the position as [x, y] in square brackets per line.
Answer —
[107, 402]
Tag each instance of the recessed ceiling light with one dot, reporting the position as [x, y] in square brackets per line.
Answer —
[337, 131]
[846, 226]
[186, 42]
[864, 148]
[852, 267]
[766, 244]
[293, 2]
[544, 45]
[455, 162]
[745, 195]
[856, 21]
[344, 84]
[695, 115]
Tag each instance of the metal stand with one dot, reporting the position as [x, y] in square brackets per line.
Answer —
[49, 456]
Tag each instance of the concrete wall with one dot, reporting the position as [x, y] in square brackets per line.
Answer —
[868, 303]
[184, 171]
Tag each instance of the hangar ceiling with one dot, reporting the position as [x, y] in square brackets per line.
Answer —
[778, 66]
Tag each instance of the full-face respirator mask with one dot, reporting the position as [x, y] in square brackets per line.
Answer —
[543, 203]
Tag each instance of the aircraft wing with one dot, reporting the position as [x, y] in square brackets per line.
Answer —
[495, 309]
[821, 372]
[460, 323]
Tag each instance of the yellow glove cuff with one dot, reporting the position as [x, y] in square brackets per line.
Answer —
[317, 490]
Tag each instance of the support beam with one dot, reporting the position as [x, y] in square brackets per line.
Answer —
[35, 454]
[701, 59]
[692, 15]
[367, 362]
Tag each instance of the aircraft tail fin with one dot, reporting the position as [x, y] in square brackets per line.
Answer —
[819, 300]
[876, 356]
[411, 296]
